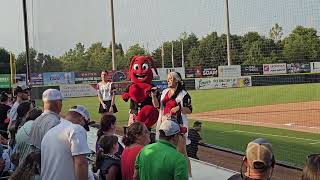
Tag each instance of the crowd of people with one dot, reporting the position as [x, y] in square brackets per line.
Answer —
[41, 143]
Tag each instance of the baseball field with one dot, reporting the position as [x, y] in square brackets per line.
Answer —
[287, 115]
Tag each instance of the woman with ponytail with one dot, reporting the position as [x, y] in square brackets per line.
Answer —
[106, 160]
[175, 105]
[136, 138]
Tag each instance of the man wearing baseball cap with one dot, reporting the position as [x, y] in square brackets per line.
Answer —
[161, 160]
[64, 147]
[52, 105]
[22, 93]
[259, 161]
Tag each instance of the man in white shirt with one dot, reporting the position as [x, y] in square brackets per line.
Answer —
[64, 147]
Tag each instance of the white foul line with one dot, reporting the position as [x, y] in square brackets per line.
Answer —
[290, 137]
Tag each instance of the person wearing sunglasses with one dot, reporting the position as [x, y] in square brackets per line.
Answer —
[64, 147]
[311, 170]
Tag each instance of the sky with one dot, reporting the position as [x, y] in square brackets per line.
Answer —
[55, 26]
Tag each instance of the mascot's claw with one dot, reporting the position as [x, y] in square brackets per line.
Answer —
[125, 96]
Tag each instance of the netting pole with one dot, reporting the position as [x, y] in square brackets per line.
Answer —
[228, 31]
[113, 37]
[26, 39]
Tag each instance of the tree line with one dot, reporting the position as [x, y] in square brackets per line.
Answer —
[302, 45]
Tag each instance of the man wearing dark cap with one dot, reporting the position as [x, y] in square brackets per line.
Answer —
[161, 160]
[22, 93]
[64, 147]
[259, 161]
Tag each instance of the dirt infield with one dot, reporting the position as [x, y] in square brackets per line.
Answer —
[303, 116]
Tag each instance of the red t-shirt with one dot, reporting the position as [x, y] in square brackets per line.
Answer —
[128, 159]
[168, 104]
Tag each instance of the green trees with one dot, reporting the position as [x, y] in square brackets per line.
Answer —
[301, 45]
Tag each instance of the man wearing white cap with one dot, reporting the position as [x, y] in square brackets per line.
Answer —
[64, 147]
[161, 160]
[52, 104]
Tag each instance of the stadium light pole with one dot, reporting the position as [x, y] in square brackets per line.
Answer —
[113, 37]
[26, 39]
[228, 31]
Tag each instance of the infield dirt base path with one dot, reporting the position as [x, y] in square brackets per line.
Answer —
[303, 116]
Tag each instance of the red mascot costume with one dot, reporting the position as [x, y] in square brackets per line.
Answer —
[142, 106]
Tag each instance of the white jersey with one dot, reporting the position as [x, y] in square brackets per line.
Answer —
[104, 91]
[58, 147]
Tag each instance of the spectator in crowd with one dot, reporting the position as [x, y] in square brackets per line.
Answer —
[64, 147]
[52, 104]
[22, 111]
[4, 109]
[108, 127]
[311, 170]
[106, 95]
[161, 160]
[29, 169]
[195, 138]
[106, 161]
[175, 105]
[259, 161]
[23, 134]
[136, 138]
[22, 93]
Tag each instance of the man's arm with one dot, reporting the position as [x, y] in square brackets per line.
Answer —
[80, 167]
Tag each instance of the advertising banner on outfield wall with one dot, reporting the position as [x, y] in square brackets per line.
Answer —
[298, 67]
[161, 85]
[21, 79]
[78, 90]
[223, 82]
[4, 80]
[275, 68]
[87, 77]
[190, 72]
[36, 79]
[57, 78]
[251, 70]
[163, 72]
[315, 67]
[120, 87]
[229, 71]
[209, 72]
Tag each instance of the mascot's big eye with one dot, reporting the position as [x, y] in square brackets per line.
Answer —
[145, 66]
[136, 66]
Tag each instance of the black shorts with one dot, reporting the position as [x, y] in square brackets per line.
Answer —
[108, 104]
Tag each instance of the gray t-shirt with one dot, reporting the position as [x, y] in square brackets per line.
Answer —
[41, 126]
[59, 146]
[13, 111]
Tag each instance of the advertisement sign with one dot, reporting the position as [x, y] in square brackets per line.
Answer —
[57, 78]
[87, 77]
[21, 79]
[223, 82]
[298, 67]
[198, 72]
[120, 87]
[190, 73]
[251, 70]
[118, 76]
[209, 72]
[229, 71]
[315, 67]
[275, 68]
[78, 90]
[163, 72]
[36, 79]
[4, 80]
[161, 85]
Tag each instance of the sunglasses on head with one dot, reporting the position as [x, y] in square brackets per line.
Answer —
[312, 155]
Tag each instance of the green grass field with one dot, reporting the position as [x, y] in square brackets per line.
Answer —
[289, 146]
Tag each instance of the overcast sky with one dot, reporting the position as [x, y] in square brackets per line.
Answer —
[57, 25]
